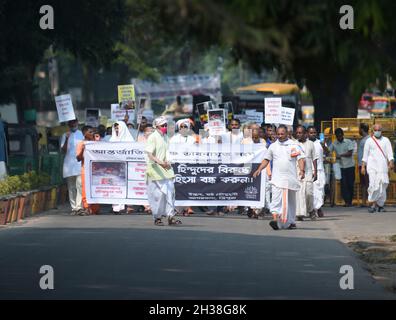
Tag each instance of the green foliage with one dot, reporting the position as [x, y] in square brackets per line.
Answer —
[28, 181]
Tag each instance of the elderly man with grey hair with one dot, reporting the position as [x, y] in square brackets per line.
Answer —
[377, 161]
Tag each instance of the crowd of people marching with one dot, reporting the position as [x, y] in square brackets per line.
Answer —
[293, 167]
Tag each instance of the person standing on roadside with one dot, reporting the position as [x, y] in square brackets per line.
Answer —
[71, 167]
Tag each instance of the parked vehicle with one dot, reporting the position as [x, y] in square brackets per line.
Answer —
[366, 101]
[381, 106]
[23, 151]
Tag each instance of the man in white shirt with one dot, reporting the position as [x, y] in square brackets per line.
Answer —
[71, 167]
[377, 159]
[285, 154]
[305, 197]
[320, 183]
[185, 134]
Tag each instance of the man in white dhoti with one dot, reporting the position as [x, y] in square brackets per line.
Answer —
[305, 196]
[377, 160]
[160, 175]
[320, 183]
[120, 133]
[285, 154]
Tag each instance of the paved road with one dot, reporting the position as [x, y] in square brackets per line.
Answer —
[230, 257]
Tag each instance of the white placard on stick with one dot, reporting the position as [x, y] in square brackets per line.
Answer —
[64, 106]
[118, 114]
[216, 121]
[287, 117]
[273, 110]
[254, 116]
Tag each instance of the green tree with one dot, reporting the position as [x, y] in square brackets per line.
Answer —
[302, 39]
[88, 29]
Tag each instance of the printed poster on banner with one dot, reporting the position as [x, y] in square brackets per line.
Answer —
[126, 96]
[64, 106]
[115, 173]
[216, 122]
[217, 175]
[273, 110]
[287, 117]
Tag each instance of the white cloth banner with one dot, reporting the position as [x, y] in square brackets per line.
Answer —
[64, 106]
[208, 174]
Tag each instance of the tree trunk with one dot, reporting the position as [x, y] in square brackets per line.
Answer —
[88, 96]
[332, 99]
[24, 92]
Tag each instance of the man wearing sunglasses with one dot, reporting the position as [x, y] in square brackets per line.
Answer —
[185, 134]
[160, 175]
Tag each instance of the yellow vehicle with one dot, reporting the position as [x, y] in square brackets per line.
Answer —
[252, 97]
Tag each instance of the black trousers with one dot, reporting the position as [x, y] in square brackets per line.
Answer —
[347, 184]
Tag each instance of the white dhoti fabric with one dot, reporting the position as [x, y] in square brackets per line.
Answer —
[305, 199]
[268, 187]
[74, 186]
[319, 190]
[161, 197]
[378, 183]
[283, 205]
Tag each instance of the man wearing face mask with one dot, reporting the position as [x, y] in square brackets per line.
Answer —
[377, 161]
[160, 175]
[285, 155]
[344, 155]
[71, 167]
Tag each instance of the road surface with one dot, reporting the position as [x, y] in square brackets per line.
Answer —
[229, 257]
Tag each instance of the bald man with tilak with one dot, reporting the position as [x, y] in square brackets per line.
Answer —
[377, 161]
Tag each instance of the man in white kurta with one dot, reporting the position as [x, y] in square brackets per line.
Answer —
[305, 196]
[284, 154]
[377, 160]
[185, 134]
[320, 183]
[71, 167]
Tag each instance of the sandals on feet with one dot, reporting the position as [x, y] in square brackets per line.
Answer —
[173, 221]
[158, 222]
